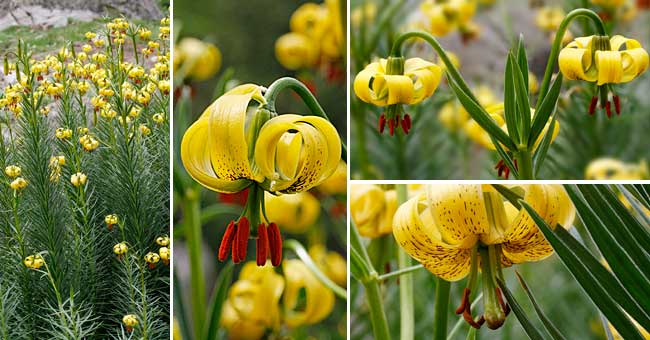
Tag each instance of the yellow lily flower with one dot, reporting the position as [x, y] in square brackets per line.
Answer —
[200, 60]
[319, 300]
[447, 16]
[453, 116]
[331, 263]
[309, 19]
[496, 111]
[549, 18]
[296, 51]
[445, 227]
[338, 182]
[293, 213]
[613, 169]
[375, 85]
[604, 61]
[252, 305]
[296, 153]
[372, 209]
[214, 149]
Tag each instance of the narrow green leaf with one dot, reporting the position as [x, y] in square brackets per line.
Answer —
[550, 327]
[509, 108]
[606, 278]
[601, 298]
[635, 229]
[542, 149]
[219, 294]
[481, 117]
[633, 189]
[523, 104]
[506, 158]
[358, 269]
[510, 195]
[532, 332]
[544, 110]
[613, 252]
[522, 60]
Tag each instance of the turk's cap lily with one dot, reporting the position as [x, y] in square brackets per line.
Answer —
[372, 209]
[296, 51]
[417, 82]
[286, 154]
[295, 153]
[330, 262]
[496, 111]
[603, 60]
[440, 228]
[292, 212]
[201, 60]
[319, 300]
[446, 16]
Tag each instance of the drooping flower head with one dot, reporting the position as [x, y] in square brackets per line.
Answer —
[318, 299]
[614, 169]
[372, 209]
[452, 228]
[238, 144]
[605, 61]
[394, 82]
[446, 16]
[197, 59]
[130, 321]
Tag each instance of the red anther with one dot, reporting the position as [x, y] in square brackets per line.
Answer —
[463, 302]
[608, 109]
[481, 321]
[617, 104]
[129, 329]
[235, 248]
[391, 127]
[592, 105]
[275, 244]
[382, 123]
[110, 227]
[407, 118]
[152, 265]
[467, 315]
[243, 231]
[226, 241]
[262, 245]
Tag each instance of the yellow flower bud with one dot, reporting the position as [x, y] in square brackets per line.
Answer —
[130, 321]
[145, 130]
[164, 254]
[18, 184]
[151, 258]
[158, 118]
[201, 59]
[63, 133]
[296, 51]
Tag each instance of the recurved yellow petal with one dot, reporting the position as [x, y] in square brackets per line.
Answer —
[524, 240]
[295, 153]
[319, 300]
[417, 233]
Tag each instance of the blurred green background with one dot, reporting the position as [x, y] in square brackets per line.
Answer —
[245, 32]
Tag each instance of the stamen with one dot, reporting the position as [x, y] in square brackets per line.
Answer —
[463, 301]
[405, 125]
[382, 123]
[226, 241]
[592, 105]
[608, 109]
[243, 231]
[391, 127]
[407, 118]
[617, 104]
[235, 248]
[262, 245]
[275, 244]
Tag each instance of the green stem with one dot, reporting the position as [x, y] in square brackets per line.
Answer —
[371, 284]
[399, 272]
[441, 309]
[191, 209]
[525, 164]
[307, 260]
[557, 45]
[307, 97]
[407, 318]
[396, 51]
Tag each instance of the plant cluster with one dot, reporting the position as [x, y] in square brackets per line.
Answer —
[85, 187]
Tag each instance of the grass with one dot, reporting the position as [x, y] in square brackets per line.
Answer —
[44, 40]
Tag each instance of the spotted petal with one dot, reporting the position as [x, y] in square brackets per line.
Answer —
[416, 232]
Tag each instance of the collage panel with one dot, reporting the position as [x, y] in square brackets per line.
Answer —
[85, 158]
[493, 261]
[260, 175]
[465, 89]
